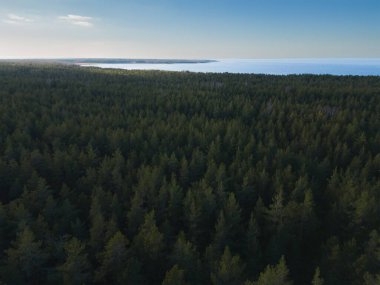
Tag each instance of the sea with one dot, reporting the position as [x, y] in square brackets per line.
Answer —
[332, 66]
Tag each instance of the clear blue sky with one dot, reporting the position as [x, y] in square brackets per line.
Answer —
[190, 28]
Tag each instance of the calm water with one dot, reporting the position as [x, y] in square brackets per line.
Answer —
[265, 66]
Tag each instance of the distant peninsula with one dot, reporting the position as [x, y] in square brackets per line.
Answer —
[134, 61]
[82, 61]
[130, 61]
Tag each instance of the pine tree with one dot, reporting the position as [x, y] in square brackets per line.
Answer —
[175, 276]
[149, 246]
[184, 175]
[97, 231]
[317, 279]
[186, 256]
[113, 260]
[260, 213]
[229, 270]
[252, 249]
[135, 215]
[26, 255]
[276, 211]
[200, 211]
[227, 227]
[370, 279]
[149, 237]
[76, 268]
[175, 205]
[275, 275]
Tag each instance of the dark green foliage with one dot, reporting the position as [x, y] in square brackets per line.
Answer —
[229, 270]
[131, 177]
[114, 260]
[174, 276]
[149, 246]
[275, 275]
[252, 250]
[26, 257]
[76, 268]
[317, 279]
[186, 256]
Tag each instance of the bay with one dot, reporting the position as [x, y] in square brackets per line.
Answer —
[333, 66]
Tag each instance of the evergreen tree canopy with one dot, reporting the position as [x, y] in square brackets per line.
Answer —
[147, 177]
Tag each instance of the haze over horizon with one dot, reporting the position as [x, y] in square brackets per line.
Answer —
[197, 29]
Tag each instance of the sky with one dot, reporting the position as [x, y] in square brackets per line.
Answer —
[184, 29]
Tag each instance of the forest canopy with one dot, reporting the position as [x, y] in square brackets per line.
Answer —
[132, 177]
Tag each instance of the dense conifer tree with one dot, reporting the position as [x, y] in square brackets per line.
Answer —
[132, 177]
